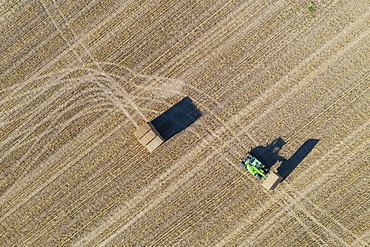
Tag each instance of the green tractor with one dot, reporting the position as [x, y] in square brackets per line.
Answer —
[254, 166]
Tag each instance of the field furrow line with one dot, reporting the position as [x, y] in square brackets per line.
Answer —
[184, 219]
[56, 114]
[150, 206]
[50, 127]
[79, 12]
[98, 180]
[305, 63]
[308, 25]
[344, 101]
[23, 22]
[151, 87]
[203, 107]
[172, 171]
[215, 40]
[19, 183]
[55, 78]
[353, 181]
[102, 178]
[341, 102]
[261, 229]
[135, 201]
[105, 185]
[160, 179]
[52, 175]
[59, 30]
[313, 206]
[303, 194]
[8, 8]
[273, 91]
[178, 183]
[299, 198]
[197, 39]
[111, 86]
[296, 205]
[256, 22]
[11, 44]
[364, 238]
[18, 200]
[40, 145]
[181, 40]
[112, 25]
[256, 103]
[63, 101]
[135, 47]
[33, 86]
[73, 46]
[35, 51]
[352, 138]
[185, 232]
[165, 236]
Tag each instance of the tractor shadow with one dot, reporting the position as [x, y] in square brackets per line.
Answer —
[177, 118]
[269, 155]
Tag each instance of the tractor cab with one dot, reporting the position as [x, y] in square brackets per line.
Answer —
[254, 166]
[259, 171]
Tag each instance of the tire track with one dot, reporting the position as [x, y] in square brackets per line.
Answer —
[165, 194]
[204, 27]
[111, 86]
[61, 98]
[40, 156]
[299, 67]
[73, 46]
[335, 222]
[41, 138]
[152, 88]
[165, 237]
[171, 171]
[156, 24]
[304, 193]
[16, 202]
[59, 30]
[86, 198]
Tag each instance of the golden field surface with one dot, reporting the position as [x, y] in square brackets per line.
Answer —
[77, 78]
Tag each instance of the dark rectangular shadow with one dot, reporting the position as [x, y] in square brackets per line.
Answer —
[177, 118]
[287, 166]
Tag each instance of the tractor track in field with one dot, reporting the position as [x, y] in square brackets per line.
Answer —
[302, 194]
[171, 170]
[80, 78]
[39, 139]
[18, 202]
[111, 86]
[320, 214]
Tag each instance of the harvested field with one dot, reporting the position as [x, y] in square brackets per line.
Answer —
[79, 77]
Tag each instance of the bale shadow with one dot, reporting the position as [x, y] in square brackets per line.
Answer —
[287, 166]
[268, 154]
[177, 118]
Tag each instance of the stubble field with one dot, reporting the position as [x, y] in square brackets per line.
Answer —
[78, 78]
